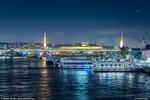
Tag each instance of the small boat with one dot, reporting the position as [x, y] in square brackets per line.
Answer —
[33, 56]
[49, 61]
[29, 56]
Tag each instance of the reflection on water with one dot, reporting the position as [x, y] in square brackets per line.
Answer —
[33, 78]
[44, 62]
[45, 90]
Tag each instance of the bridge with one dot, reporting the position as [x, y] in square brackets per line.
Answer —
[58, 50]
[83, 48]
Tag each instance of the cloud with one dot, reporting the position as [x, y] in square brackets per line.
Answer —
[108, 31]
[58, 33]
[130, 42]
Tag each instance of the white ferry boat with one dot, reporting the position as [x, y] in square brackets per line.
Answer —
[146, 65]
[76, 62]
[114, 65]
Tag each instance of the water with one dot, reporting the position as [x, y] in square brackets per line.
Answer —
[33, 78]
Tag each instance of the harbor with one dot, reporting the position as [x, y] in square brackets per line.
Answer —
[33, 78]
[85, 56]
[82, 71]
[74, 50]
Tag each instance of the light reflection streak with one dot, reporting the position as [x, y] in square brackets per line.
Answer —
[45, 90]
[130, 79]
[80, 79]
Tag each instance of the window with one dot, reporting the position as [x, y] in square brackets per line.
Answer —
[119, 65]
[90, 63]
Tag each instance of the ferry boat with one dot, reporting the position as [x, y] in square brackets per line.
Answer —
[76, 62]
[146, 65]
[114, 65]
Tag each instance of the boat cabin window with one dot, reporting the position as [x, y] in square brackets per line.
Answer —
[119, 65]
[90, 63]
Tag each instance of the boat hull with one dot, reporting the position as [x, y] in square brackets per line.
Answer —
[49, 62]
[76, 63]
[129, 69]
[77, 66]
[146, 69]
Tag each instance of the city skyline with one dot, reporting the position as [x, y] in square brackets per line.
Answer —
[75, 21]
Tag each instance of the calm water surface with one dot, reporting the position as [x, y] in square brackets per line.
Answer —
[33, 78]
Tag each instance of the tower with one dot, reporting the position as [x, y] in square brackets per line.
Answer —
[121, 40]
[144, 43]
[45, 40]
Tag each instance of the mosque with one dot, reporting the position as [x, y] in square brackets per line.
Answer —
[84, 45]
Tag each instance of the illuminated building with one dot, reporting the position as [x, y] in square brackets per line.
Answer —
[146, 54]
[83, 46]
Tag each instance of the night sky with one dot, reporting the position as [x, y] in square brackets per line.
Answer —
[71, 21]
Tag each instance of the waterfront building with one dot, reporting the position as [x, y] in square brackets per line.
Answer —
[83, 46]
[145, 49]
[145, 53]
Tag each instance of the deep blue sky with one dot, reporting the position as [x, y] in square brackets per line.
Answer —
[71, 21]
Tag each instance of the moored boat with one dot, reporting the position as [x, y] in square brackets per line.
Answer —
[146, 65]
[76, 62]
[114, 65]
[49, 61]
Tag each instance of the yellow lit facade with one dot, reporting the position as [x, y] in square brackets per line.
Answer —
[84, 46]
[89, 47]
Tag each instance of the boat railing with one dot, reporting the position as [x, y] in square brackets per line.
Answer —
[146, 64]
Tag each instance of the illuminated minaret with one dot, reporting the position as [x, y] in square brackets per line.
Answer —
[45, 40]
[121, 40]
[144, 43]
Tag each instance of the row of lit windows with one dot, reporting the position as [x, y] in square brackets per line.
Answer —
[114, 65]
[78, 63]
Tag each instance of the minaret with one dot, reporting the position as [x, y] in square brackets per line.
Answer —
[121, 40]
[45, 40]
[144, 43]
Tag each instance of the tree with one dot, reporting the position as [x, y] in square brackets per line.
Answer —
[124, 51]
[137, 56]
